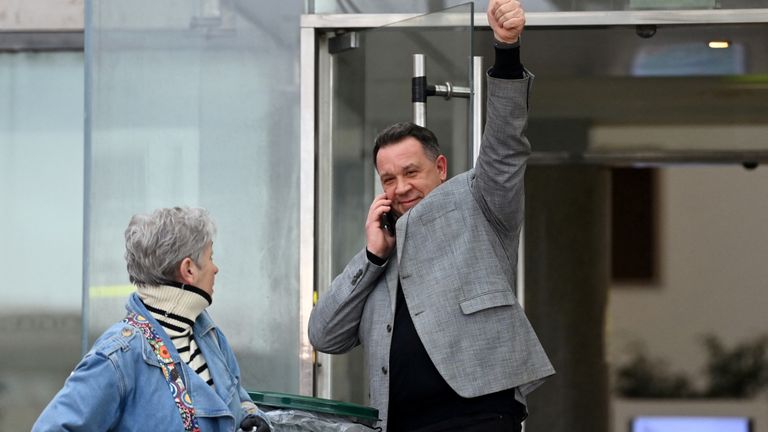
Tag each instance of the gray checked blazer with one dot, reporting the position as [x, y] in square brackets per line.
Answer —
[456, 258]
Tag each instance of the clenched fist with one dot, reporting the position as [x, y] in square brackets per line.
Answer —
[507, 19]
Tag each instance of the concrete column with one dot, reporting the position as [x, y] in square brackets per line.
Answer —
[567, 266]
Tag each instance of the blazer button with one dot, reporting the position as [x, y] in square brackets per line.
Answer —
[389, 328]
[384, 370]
[356, 277]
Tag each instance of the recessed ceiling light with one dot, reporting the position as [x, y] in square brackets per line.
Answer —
[719, 44]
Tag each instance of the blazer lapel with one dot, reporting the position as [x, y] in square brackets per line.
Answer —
[400, 228]
[393, 272]
[391, 278]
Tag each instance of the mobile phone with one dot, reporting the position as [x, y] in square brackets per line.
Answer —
[388, 221]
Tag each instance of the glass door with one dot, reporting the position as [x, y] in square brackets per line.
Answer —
[364, 86]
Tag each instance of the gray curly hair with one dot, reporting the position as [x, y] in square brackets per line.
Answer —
[156, 243]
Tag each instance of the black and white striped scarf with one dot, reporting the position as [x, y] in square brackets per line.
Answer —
[176, 306]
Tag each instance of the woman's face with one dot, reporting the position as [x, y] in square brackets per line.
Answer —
[206, 270]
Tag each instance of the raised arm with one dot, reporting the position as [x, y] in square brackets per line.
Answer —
[500, 167]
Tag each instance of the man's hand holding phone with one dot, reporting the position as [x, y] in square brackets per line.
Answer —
[379, 241]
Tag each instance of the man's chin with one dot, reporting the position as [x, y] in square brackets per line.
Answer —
[404, 207]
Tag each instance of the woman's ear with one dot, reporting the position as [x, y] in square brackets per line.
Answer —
[187, 271]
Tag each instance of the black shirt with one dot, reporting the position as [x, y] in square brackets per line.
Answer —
[418, 394]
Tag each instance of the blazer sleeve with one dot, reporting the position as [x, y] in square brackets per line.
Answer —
[335, 319]
[498, 176]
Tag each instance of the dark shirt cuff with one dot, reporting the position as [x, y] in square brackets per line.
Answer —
[375, 259]
[507, 65]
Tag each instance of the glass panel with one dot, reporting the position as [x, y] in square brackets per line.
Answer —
[371, 90]
[187, 110]
[422, 6]
[41, 219]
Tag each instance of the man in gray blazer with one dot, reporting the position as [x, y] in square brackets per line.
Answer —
[448, 347]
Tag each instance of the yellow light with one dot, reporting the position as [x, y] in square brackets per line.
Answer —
[719, 44]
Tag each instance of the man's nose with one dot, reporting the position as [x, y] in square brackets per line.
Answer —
[402, 187]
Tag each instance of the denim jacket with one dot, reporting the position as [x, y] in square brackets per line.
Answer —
[119, 386]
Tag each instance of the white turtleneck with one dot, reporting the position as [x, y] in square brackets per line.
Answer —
[176, 310]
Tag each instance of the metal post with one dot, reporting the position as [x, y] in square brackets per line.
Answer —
[419, 90]
[307, 206]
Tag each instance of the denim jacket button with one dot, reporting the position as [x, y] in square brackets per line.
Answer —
[127, 331]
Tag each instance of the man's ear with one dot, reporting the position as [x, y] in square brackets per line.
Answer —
[442, 167]
[187, 271]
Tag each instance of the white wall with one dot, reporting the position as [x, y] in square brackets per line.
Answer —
[713, 268]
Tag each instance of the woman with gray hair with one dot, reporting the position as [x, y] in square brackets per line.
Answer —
[166, 366]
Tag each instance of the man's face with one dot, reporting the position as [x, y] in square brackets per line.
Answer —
[407, 174]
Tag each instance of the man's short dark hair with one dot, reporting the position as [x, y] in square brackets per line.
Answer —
[399, 131]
